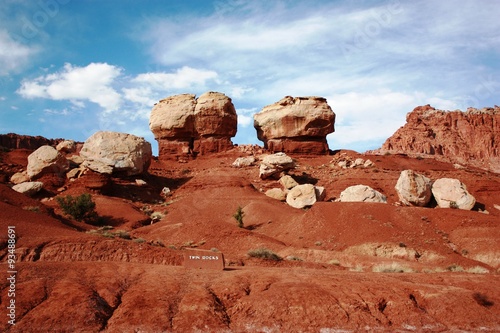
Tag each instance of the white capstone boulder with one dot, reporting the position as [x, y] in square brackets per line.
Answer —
[28, 188]
[109, 152]
[452, 193]
[46, 159]
[301, 196]
[361, 193]
[414, 189]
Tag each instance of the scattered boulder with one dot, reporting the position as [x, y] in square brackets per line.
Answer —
[276, 193]
[296, 125]
[452, 193]
[109, 152]
[66, 146]
[74, 173]
[75, 159]
[288, 182]
[241, 162]
[301, 196]
[274, 164]
[361, 193]
[19, 177]
[414, 189]
[44, 160]
[28, 188]
[186, 125]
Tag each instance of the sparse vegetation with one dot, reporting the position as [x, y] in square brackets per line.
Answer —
[34, 209]
[139, 240]
[156, 216]
[455, 268]
[393, 267]
[264, 253]
[81, 208]
[238, 216]
[293, 258]
[122, 234]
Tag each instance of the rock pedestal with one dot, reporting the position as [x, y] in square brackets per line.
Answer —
[185, 125]
[296, 125]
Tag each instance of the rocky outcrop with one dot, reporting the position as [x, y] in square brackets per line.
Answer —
[46, 159]
[113, 152]
[471, 137]
[296, 125]
[16, 141]
[361, 193]
[414, 189]
[452, 193]
[186, 125]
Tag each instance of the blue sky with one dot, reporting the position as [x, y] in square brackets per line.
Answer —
[71, 67]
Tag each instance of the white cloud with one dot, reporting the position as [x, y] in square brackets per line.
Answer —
[13, 55]
[183, 78]
[244, 120]
[78, 84]
[2, 98]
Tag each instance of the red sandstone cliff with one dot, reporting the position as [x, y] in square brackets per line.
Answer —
[16, 141]
[471, 137]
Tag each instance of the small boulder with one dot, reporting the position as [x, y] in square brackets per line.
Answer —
[320, 193]
[414, 189]
[358, 162]
[361, 193]
[66, 146]
[74, 173]
[241, 162]
[108, 152]
[19, 177]
[276, 193]
[274, 164]
[46, 159]
[288, 182]
[301, 196]
[28, 188]
[452, 193]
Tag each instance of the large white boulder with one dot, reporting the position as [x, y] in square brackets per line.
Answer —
[274, 164]
[414, 189]
[361, 193]
[46, 159]
[108, 152]
[28, 188]
[452, 193]
[301, 196]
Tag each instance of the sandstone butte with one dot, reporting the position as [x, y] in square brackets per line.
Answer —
[185, 125]
[332, 267]
[471, 137]
[296, 125]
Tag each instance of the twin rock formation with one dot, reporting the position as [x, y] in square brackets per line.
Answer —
[185, 125]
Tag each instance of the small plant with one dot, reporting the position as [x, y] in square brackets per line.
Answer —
[334, 262]
[264, 253]
[122, 234]
[391, 268]
[453, 205]
[455, 268]
[35, 209]
[139, 240]
[81, 208]
[238, 216]
[318, 243]
[156, 216]
[293, 258]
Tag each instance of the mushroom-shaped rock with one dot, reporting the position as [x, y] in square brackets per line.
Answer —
[28, 188]
[46, 159]
[184, 124]
[452, 193]
[296, 125]
[413, 188]
[109, 152]
[301, 196]
[274, 164]
[361, 193]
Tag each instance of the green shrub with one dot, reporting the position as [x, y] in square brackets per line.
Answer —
[81, 208]
[264, 253]
[238, 216]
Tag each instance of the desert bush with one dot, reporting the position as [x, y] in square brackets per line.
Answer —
[238, 216]
[477, 270]
[264, 253]
[81, 208]
[393, 267]
[139, 240]
[122, 234]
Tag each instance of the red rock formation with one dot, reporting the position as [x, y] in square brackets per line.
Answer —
[185, 125]
[296, 125]
[16, 141]
[471, 137]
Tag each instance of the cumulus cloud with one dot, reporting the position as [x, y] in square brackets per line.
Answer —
[13, 55]
[183, 78]
[90, 83]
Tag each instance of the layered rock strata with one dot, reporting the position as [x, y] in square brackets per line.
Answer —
[185, 125]
[471, 137]
[296, 125]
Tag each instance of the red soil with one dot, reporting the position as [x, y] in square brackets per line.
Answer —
[70, 280]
